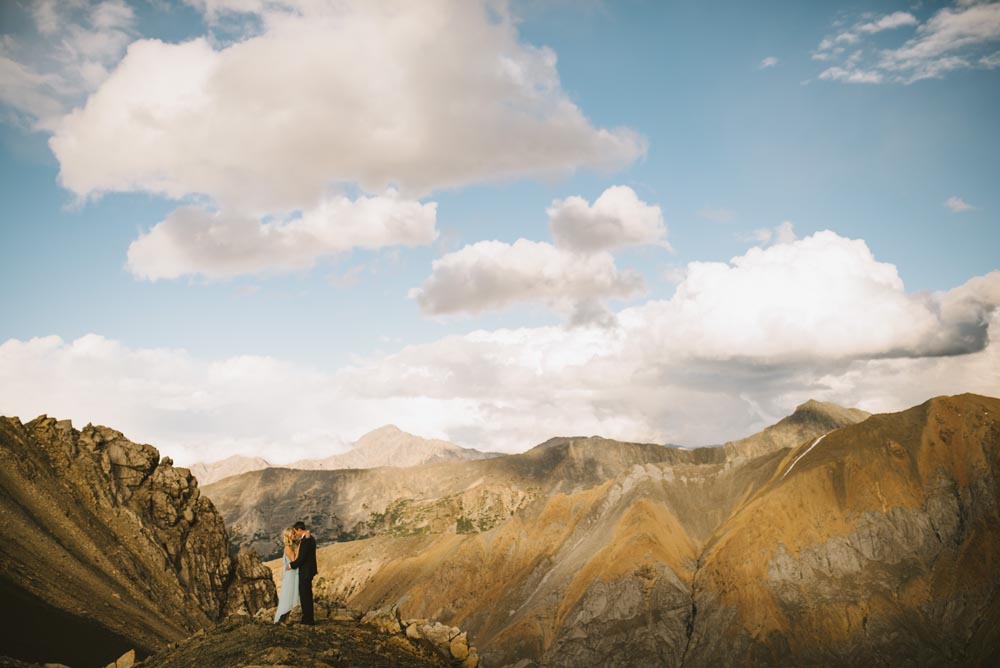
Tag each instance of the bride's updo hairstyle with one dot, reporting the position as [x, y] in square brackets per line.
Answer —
[288, 536]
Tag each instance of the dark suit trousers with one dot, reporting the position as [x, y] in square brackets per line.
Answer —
[306, 598]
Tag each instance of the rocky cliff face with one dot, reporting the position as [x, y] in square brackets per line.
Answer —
[876, 544]
[106, 546]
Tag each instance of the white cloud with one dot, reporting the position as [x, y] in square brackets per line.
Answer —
[617, 218]
[494, 275]
[316, 99]
[957, 204]
[28, 92]
[193, 240]
[851, 75]
[770, 61]
[949, 30]
[953, 38]
[780, 234]
[738, 346]
[45, 14]
[821, 297]
[334, 93]
[77, 43]
[889, 22]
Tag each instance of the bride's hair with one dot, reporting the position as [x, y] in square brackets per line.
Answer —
[288, 536]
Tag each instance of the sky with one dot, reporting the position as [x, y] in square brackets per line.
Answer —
[267, 227]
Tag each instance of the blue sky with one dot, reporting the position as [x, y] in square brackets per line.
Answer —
[262, 227]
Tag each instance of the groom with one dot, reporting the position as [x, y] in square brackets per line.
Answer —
[306, 564]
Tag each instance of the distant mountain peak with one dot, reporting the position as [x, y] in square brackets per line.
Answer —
[810, 419]
[383, 430]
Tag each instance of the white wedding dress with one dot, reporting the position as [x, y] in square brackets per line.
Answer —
[289, 596]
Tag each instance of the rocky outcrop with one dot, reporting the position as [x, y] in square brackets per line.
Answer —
[111, 545]
[448, 642]
[251, 587]
[338, 641]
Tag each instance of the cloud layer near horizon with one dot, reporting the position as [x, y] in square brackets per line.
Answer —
[826, 320]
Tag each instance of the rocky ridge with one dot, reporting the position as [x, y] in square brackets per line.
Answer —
[342, 637]
[811, 418]
[111, 546]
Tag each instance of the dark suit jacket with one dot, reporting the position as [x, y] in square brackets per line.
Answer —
[306, 563]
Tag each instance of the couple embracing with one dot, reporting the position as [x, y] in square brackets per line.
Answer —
[299, 565]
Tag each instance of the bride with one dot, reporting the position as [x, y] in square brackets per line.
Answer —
[289, 596]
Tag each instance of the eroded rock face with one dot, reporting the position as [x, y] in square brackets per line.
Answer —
[882, 543]
[251, 587]
[110, 544]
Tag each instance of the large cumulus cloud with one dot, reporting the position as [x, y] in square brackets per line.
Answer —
[368, 93]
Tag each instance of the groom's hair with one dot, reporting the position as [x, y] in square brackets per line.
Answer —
[301, 526]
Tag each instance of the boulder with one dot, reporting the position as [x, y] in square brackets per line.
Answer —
[385, 620]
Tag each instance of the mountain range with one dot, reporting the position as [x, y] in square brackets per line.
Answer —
[386, 446]
[831, 538]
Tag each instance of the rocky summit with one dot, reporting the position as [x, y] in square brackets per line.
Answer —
[864, 541]
[107, 547]
[342, 637]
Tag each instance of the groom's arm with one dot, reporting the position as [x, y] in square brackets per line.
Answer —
[305, 549]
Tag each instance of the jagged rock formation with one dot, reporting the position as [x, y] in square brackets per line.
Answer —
[876, 544]
[106, 547]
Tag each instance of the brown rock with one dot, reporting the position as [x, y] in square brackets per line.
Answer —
[385, 620]
[459, 647]
[471, 661]
[251, 587]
